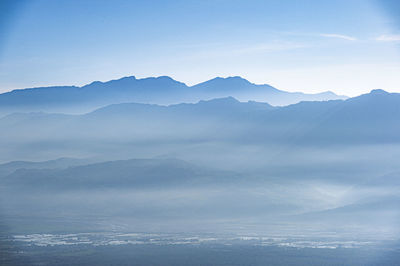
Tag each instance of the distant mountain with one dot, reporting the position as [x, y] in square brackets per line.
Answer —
[10, 167]
[133, 173]
[219, 106]
[83, 99]
[334, 161]
[244, 90]
[353, 119]
[161, 90]
[368, 119]
[374, 116]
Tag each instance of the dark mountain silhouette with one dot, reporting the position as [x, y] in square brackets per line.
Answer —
[161, 90]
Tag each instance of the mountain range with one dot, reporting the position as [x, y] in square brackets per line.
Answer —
[160, 90]
[369, 119]
[312, 162]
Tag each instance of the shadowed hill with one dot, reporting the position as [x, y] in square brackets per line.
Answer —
[133, 173]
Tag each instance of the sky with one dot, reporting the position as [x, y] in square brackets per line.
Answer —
[346, 46]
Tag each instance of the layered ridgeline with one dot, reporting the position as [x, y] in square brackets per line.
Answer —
[155, 130]
[218, 164]
[170, 194]
[160, 90]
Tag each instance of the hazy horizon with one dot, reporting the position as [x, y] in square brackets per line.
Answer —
[215, 132]
[346, 47]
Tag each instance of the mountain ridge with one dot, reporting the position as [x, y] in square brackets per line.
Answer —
[162, 90]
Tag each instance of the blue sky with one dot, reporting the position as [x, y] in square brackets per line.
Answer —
[348, 47]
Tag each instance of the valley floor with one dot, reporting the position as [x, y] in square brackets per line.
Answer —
[112, 248]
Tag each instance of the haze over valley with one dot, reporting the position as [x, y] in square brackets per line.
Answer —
[219, 167]
[175, 133]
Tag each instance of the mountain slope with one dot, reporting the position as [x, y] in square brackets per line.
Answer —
[8, 168]
[370, 117]
[367, 119]
[244, 90]
[133, 173]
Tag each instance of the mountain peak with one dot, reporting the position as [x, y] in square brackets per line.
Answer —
[378, 92]
[228, 83]
[230, 80]
[224, 100]
[234, 78]
[163, 80]
[127, 79]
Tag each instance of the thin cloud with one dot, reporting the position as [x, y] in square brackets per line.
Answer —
[389, 38]
[240, 50]
[268, 47]
[338, 36]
